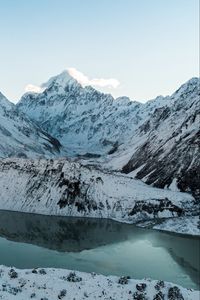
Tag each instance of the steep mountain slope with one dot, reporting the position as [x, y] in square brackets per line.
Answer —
[157, 142]
[83, 119]
[61, 187]
[20, 137]
[169, 155]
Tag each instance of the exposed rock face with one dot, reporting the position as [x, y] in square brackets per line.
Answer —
[21, 137]
[156, 207]
[62, 187]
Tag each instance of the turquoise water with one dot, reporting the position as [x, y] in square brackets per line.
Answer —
[101, 246]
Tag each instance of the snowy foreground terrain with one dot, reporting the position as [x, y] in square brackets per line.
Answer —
[61, 187]
[50, 284]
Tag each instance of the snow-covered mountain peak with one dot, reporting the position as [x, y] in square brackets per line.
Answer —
[61, 83]
[188, 87]
[123, 100]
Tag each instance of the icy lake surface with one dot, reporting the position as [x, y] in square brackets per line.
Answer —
[101, 246]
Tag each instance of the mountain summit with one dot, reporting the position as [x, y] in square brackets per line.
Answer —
[61, 81]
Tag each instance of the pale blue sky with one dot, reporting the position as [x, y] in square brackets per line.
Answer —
[150, 46]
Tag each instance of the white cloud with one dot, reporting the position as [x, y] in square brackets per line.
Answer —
[82, 79]
[100, 82]
[33, 88]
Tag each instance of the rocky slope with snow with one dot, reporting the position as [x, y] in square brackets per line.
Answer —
[169, 154]
[157, 141]
[187, 225]
[61, 187]
[21, 137]
[183, 225]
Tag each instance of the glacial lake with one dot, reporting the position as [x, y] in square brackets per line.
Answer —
[101, 246]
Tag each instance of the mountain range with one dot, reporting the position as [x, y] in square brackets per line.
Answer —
[157, 141]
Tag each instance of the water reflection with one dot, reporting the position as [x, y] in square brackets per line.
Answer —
[62, 233]
[103, 246]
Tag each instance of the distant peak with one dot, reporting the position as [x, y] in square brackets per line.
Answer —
[69, 79]
[62, 80]
[123, 100]
[193, 80]
[189, 85]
